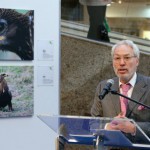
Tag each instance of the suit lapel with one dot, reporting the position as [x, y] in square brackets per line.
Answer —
[138, 92]
[115, 98]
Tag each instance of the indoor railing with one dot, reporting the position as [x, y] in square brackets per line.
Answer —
[80, 30]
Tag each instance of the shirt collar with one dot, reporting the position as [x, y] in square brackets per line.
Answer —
[132, 81]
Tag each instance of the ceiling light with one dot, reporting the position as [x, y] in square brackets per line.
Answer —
[119, 1]
[108, 4]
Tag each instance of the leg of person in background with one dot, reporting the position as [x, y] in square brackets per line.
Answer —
[96, 19]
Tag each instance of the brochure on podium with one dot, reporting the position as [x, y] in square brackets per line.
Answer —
[85, 130]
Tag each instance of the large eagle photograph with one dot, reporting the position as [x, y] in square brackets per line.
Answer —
[16, 34]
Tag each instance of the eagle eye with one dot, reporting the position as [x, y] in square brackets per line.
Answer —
[3, 26]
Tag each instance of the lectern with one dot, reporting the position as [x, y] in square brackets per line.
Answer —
[91, 131]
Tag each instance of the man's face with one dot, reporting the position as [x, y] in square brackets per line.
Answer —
[125, 63]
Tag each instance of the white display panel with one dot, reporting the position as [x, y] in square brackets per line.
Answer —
[29, 133]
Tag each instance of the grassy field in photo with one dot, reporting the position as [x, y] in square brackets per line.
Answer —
[20, 83]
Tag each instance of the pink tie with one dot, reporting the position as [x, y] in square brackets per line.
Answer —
[124, 101]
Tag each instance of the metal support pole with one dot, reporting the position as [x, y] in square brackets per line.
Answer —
[100, 143]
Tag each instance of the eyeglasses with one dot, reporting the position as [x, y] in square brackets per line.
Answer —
[126, 58]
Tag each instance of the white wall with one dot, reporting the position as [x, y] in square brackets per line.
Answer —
[30, 133]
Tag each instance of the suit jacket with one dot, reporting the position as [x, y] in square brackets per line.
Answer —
[110, 105]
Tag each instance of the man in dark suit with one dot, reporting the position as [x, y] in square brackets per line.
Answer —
[125, 57]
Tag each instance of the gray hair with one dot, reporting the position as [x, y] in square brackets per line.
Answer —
[129, 43]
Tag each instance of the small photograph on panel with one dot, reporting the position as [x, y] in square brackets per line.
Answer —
[16, 91]
[16, 34]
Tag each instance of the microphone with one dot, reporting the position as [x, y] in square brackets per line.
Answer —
[106, 89]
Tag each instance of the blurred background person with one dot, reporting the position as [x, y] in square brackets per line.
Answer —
[97, 19]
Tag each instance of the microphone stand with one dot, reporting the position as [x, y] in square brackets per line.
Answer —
[117, 93]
